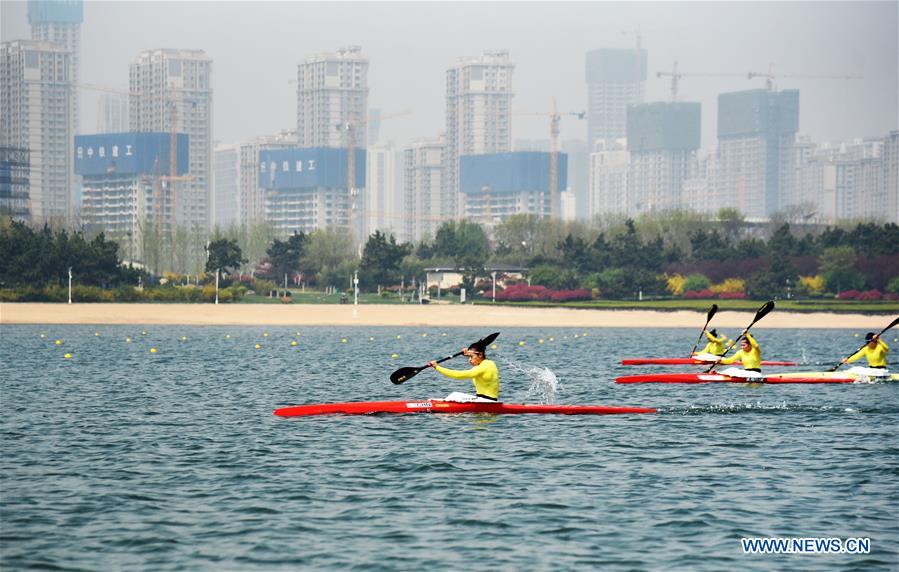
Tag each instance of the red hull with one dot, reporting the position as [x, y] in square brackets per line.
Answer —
[718, 378]
[691, 361]
[440, 406]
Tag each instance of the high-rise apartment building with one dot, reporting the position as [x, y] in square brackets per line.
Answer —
[332, 99]
[172, 92]
[662, 139]
[252, 195]
[59, 21]
[36, 116]
[608, 179]
[226, 185]
[422, 187]
[616, 78]
[891, 175]
[756, 155]
[478, 118]
[332, 112]
[381, 210]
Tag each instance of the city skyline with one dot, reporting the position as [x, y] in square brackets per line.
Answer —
[410, 45]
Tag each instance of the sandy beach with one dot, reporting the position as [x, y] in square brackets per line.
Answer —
[409, 315]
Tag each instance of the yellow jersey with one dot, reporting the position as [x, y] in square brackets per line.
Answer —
[751, 359]
[876, 357]
[484, 376]
[715, 345]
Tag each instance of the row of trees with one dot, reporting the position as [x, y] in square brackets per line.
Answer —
[617, 258]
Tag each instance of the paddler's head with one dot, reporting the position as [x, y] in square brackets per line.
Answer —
[714, 332]
[871, 338]
[744, 343]
[476, 354]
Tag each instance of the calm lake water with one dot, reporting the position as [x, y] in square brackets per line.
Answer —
[122, 459]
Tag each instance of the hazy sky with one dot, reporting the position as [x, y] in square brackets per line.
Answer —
[255, 47]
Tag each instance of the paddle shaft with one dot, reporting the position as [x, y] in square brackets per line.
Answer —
[406, 373]
[708, 319]
[836, 367]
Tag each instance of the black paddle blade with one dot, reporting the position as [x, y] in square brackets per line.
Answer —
[488, 340]
[404, 373]
[763, 311]
[712, 311]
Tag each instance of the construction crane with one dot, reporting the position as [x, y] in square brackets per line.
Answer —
[554, 118]
[770, 75]
[349, 129]
[676, 76]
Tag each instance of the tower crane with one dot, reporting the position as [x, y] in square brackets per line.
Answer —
[554, 118]
[676, 76]
[770, 76]
[349, 129]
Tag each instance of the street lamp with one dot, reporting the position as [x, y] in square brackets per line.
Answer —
[493, 275]
[70, 284]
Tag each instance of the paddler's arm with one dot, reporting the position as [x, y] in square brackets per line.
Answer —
[731, 359]
[856, 355]
[461, 374]
[751, 340]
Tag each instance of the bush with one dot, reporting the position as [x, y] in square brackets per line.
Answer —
[696, 282]
[523, 293]
[844, 280]
[848, 295]
[732, 295]
[891, 296]
[729, 286]
[870, 295]
[675, 284]
[699, 295]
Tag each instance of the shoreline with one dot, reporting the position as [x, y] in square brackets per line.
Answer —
[409, 315]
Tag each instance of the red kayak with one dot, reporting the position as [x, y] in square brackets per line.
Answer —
[691, 361]
[441, 406]
[809, 377]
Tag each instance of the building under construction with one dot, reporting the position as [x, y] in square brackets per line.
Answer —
[125, 192]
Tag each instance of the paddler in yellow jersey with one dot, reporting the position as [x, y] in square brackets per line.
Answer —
[483, 374]
[876, 351]
[715, 347]
[750, 355]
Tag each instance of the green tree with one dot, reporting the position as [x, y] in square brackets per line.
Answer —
[696, 282]
[285, 255]
[326, 250]
[381, 261]
[224, 254]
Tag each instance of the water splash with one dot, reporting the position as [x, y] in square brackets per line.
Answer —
[544, 383]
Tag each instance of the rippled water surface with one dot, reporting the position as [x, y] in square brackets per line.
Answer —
[119, 458]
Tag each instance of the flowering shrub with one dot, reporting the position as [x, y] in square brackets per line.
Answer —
[891, 296]
[732, 295]
[523, 293]
[870, 295]
[848, 295]
[729, 286]
[675, 284]
[814, 284]
[701, 294]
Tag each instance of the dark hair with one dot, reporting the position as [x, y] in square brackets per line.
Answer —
[869, 336]
[714, 332]
[478, 348]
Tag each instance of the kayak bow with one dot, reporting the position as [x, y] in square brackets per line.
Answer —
[441, 406]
